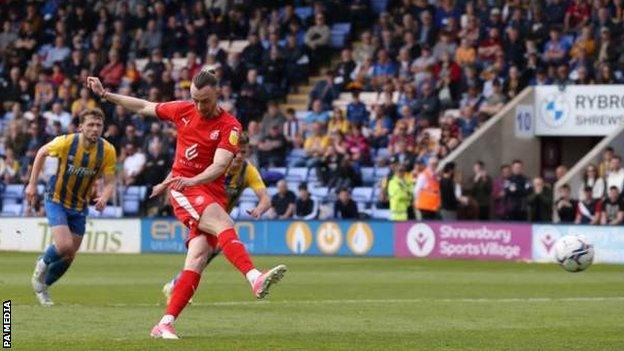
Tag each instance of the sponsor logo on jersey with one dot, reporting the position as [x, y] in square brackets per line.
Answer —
[185, 121]
[420, 240]
[233, 139]
[191, 152]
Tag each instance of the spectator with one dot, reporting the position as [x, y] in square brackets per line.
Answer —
[317, 38]
[399, 191]
[157, 164]
[292, 129]
[305, 206]
[588, 209]
[114, 71]
[605, 163]
[9, 167]
[428, 105]
[592, 180]
[450, 193]
[556, 49]
[427, 191]
[540, 202]
[317, 115]
[467, 122]
[273, 117]
[57, 115]
[612, 208]
[356, 110]
[560, 172]
[272, 149]
[565, 205]
[325, 91]
[481, 190]
[517, 188]
[57, 53]
[345, 207]
[133, 164]
[282, 203]
[615, 177]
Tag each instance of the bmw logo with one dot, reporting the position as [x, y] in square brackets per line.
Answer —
[554, 110]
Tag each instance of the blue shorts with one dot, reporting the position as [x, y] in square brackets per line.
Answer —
[59, 215]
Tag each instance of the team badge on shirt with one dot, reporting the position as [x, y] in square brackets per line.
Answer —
[233, 137]
[214, 135]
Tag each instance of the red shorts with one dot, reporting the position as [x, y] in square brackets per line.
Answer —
[188, 206]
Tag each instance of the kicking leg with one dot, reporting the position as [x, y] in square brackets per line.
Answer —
[196, 259]
[215, 220]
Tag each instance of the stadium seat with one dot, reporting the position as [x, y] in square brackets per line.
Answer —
[244, 207]
[362, 194]
[382, 153]
[14, 209]
[379, 6]
[14, 191]
[320, 193]
[381, 213]
[297, 174]
[381, 172]
[235, 212]
[342, 27]
[281, 170]
[368, 175]
[303, 12]
[131, 206]
[271, 191]
[298, 153]
[292, 186]
[248, 195]
[337, 39]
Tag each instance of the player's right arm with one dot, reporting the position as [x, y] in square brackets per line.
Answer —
[133, 104]
[53, 148]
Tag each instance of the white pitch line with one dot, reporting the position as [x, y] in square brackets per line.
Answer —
[370, 301]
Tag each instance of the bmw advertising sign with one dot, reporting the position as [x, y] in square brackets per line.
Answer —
[578, 110]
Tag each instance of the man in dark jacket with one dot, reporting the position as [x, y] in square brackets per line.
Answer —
[540, 202]
[450, 203]
[345, 207]
[517, 188]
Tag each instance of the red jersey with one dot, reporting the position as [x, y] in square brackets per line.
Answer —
[199, 138]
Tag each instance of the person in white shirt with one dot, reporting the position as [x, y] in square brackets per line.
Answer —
[616, 173]
[57, 114]
[133, 164]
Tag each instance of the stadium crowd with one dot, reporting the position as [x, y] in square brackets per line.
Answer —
[411, 82]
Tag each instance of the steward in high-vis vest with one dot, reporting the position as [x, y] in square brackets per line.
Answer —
[400, 194]
[427, 192]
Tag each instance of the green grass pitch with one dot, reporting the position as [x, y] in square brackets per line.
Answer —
[110, 302]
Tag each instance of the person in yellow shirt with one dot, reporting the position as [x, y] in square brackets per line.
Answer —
[314, 146]
[338, 122]
[400, 189]
[240, 175]
[465, 53]
[82, 103]
[83, 158]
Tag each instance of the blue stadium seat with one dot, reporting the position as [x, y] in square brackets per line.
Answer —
[248, 195]
[337, 40]
[320, 193]
[281, 170]
[362, 194]
[368, 175]
[297, 174]
[303, 12]
[13, 194]
[243, 208]
[380, 213]
[381, 172]
[235, 212]
[379, 6]
[293, 185]
[14, 209]
[342, 27]
[271, 191]
[382, 153]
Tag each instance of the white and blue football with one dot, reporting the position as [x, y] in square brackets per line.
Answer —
[574, 253]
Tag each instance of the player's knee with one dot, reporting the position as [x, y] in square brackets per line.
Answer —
[215, 222]
[65, 250]
[197, 262]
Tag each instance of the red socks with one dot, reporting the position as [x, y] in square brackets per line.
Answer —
[234, 250]
[183, 290]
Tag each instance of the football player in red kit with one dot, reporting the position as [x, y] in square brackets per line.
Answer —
[206, 144]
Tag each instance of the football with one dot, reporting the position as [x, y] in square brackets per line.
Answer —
[574, 253]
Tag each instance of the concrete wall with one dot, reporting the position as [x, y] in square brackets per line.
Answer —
[496, 142]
